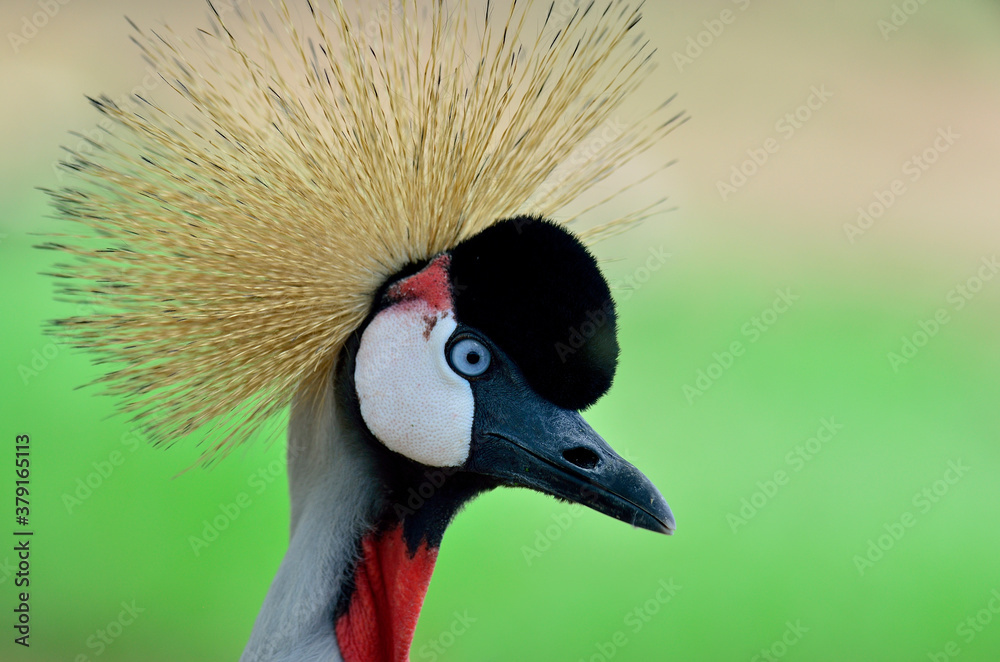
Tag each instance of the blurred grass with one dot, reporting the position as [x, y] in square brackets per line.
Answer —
[826, 357]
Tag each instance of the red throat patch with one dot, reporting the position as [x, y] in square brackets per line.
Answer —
[430, 285]
[389, 590]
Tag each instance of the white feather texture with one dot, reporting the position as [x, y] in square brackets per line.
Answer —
[411, 399]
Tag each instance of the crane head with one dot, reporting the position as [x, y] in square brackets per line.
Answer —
[482, 358]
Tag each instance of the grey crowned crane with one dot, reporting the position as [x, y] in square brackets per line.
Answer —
[355, 222]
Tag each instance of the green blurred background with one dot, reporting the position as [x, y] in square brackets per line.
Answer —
[786, 548]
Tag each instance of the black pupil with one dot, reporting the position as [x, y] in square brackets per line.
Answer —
[472, 358]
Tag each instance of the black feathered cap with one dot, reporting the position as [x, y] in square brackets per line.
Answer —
[535, 290]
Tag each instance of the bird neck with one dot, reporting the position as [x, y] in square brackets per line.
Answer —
[366, 525]
[377, 607]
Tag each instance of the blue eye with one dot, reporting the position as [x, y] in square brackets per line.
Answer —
[469, 357]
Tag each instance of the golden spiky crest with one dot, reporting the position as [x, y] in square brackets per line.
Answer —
[233, 249]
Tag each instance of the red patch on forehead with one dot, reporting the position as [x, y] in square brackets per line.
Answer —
[429, 285]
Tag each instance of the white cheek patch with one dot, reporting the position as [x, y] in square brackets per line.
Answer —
[411, 399]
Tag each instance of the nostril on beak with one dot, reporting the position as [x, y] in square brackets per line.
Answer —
[582, 457]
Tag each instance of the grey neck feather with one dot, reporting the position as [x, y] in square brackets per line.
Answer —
[334, 492]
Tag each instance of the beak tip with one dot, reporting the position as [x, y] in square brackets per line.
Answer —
[666, 520]
[658, 522]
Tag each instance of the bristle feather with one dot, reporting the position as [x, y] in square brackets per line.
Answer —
[241, 247]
